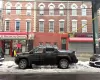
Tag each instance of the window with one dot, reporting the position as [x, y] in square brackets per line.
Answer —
[28, 26]
[74, 9]
[50, 50]
[51, 10]
[28, 12]
[61, 26]
[8, 7]
[51, 26]
[18, 8]
[7, 27]
[41, 10]
[40, 43]
[83, 7]
[84, 25]
[41, 26]
[74, 25]
[48, 44]
[39, 50]
[61, 11]
[29, 7]
[17, 25]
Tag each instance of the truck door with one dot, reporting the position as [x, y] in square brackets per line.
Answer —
[36, 57]
[50, 56]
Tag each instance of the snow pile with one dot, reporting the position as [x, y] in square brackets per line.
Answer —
[10, 66]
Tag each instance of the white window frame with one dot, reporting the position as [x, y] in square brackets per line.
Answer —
[18, 6]
[60, 25]
[28, 12]
[74, 9]
[41, 10]
[30, 25]
[50, 26]
[42, 26]
[84, 10]
[15, 26]
[6, 25]
[84, 26]
[8, 6]
[74, 26]
[61, 9]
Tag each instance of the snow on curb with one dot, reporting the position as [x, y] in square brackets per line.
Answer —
[10, 66]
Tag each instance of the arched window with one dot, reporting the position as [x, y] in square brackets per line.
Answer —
[51, 9]
[18, 8]
[8, 7]
[29, 7]
[83, 7]
[74, 9]
[41, 8]
[61, 9]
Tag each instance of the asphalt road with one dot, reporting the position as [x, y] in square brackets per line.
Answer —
[51, 76]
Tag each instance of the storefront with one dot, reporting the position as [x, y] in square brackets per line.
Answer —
[14, 40]
[56, 39]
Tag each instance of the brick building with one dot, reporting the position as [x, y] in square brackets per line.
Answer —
[48, 22]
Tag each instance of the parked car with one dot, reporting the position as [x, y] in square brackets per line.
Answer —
[46, 55]
[95, 60]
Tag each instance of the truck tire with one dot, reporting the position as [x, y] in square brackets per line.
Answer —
[23, 64]
[63, 63]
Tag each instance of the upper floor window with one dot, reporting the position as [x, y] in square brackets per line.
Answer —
[41, 10]
[41, 26]
[51, 26]
[29, 7]
[28, 26]
[18, 8]
[83, 9]
[74, 25]
[8, 7]
[61, 9]
[7, 25]
[84, 25]
[51, 9]
[17, 27]
[61, 26]
[74, 9]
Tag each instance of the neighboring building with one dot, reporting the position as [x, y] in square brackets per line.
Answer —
[18, 17]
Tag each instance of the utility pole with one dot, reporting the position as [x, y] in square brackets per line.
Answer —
[95, 28]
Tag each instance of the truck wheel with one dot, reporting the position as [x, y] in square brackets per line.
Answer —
[23, 64]
[63, 64]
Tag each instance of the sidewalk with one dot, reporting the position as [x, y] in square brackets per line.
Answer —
[9, 58]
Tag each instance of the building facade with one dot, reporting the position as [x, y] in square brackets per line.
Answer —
[18, 17]
[45, 23]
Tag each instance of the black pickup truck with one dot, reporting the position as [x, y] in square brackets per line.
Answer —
[46, 55]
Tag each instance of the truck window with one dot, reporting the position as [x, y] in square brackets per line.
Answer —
[39, 50]
[49, 50]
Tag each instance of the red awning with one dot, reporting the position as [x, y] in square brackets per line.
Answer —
[81, 39]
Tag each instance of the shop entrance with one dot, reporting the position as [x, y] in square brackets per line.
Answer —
[7, 46]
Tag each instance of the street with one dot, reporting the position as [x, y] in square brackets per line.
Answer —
[51, 76]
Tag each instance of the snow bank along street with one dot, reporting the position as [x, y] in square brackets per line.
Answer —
[11, 67]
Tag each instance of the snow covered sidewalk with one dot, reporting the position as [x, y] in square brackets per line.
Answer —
[11, 67]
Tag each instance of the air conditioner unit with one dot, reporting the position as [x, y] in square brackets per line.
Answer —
[50, 30]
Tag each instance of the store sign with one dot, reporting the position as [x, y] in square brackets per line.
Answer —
[13, 37]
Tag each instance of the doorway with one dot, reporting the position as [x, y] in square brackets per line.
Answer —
[63, 43]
